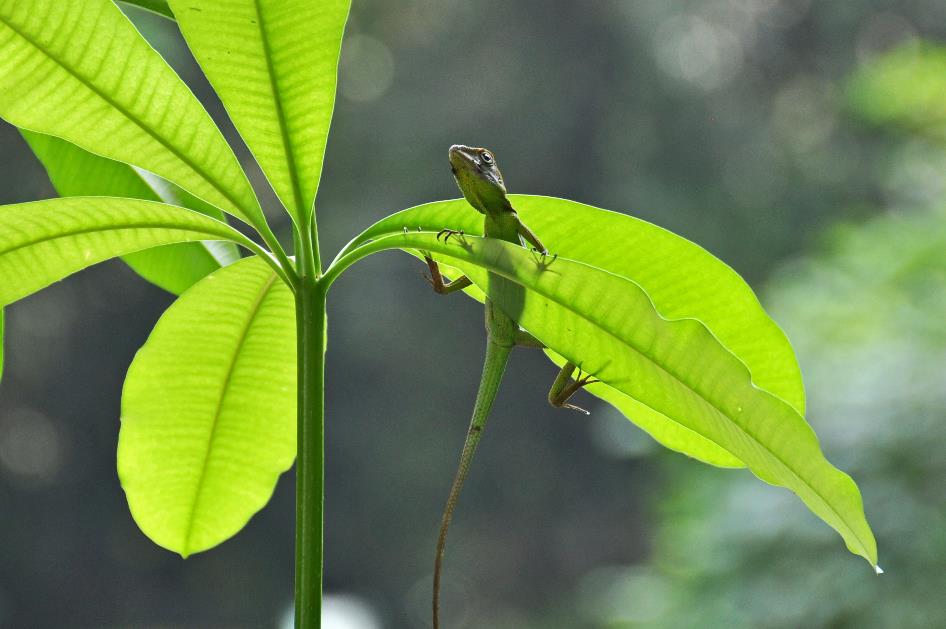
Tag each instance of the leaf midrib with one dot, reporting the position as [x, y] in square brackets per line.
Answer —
[234, 359]
[288, 148]
[140, 124]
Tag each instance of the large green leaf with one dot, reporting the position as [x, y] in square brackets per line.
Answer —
[608, 325]
[682, 279]
[44, 241]
[76, 172]
[1, 344]
[80, 71]
[208, 409]
[274, 65]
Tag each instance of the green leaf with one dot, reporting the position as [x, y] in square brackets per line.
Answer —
[274, 65]
[76, 172]
[681, 278]
[44, 241]
[159, 7]
[80, 71]
[608, 325]
[208, 409]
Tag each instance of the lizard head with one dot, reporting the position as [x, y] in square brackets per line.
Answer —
[478, 176]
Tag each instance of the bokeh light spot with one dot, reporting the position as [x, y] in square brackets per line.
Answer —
[698, 52]
[366, 69]
[30, 447]
[341, 611]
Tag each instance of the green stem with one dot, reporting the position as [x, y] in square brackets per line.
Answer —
[310, 485]
[310, 458]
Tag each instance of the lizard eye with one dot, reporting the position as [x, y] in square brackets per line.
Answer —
[486, 157]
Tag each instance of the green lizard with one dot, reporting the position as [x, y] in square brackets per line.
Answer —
[482, 184]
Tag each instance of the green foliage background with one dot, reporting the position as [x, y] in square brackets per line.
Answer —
[867, 316]
[726, 122]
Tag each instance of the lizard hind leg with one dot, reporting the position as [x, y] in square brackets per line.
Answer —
[564, 387]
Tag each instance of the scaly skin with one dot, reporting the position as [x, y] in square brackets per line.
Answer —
[482, 185]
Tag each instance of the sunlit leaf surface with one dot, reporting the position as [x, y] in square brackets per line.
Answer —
[208, 409]
[44, 241]
[682, 279]
[274, 65]
[106, 90]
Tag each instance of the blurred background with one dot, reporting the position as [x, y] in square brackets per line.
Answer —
[801, 142]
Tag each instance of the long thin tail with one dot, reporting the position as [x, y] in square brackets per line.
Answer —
[493, 368]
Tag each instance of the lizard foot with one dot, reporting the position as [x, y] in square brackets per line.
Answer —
[446, 233]
[559, 399]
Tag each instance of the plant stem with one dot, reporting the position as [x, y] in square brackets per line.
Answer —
[310, 483]
[310, 322]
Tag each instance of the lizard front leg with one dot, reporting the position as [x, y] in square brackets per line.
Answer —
[564, 387]
[530, 237]
[441, 286]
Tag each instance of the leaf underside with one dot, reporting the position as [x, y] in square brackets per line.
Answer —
[681, 278]
[208, 409]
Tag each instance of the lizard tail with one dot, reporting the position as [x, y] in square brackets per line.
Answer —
[493, 369]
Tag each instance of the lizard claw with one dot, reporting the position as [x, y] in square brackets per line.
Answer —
[446, 233]
[586, 379]
[576, 408]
